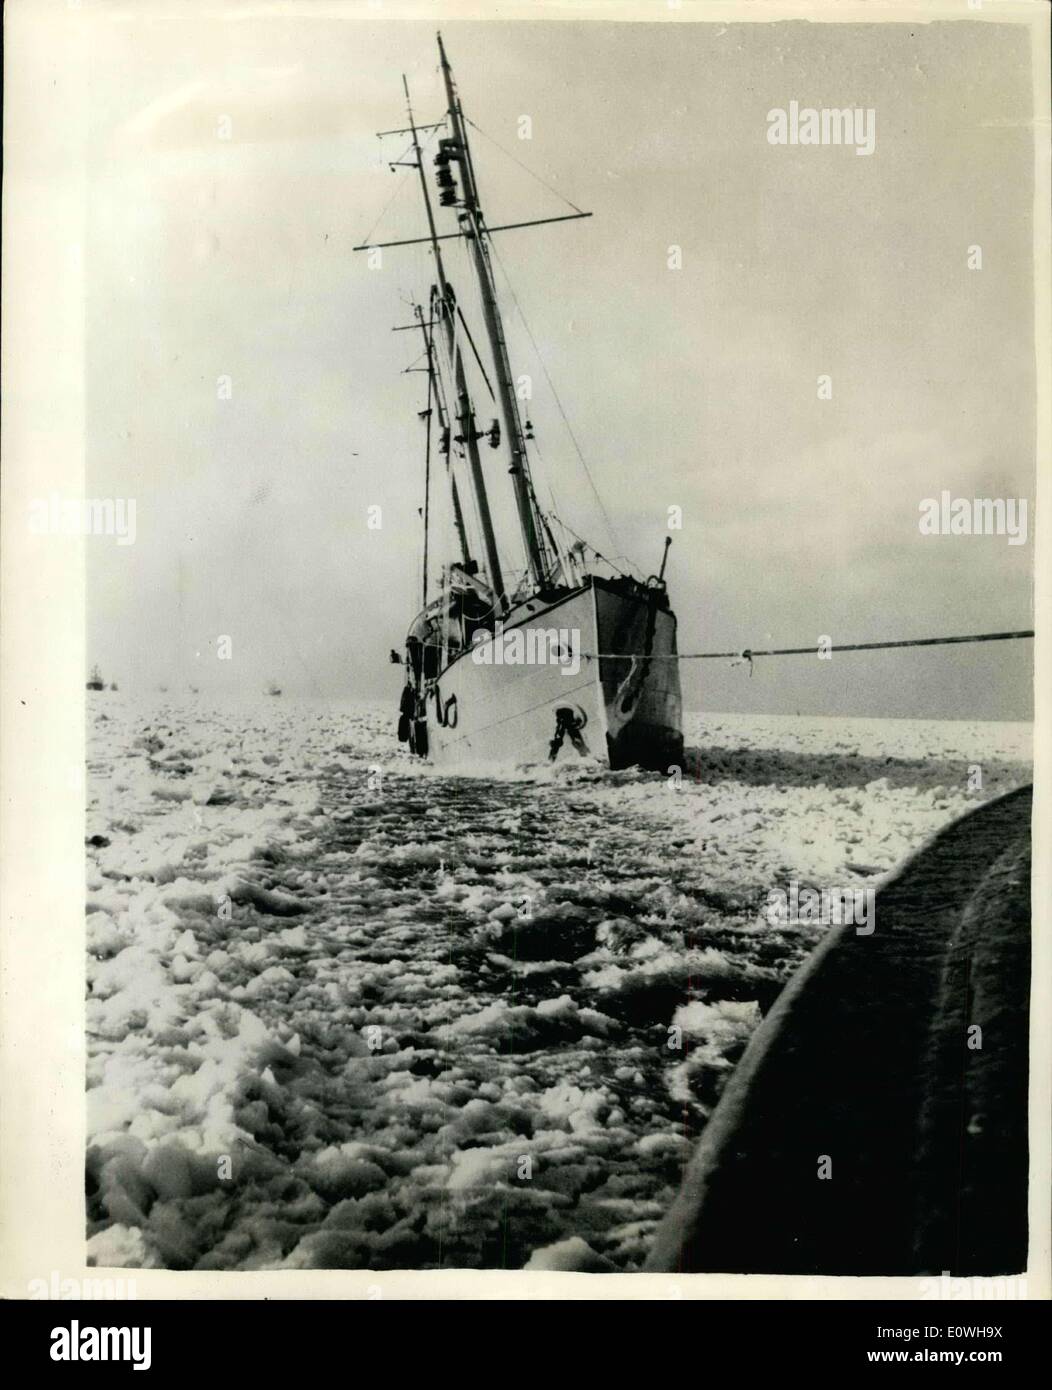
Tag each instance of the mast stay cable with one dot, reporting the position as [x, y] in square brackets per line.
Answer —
[558, 401]
[399, 185]
[525, 167]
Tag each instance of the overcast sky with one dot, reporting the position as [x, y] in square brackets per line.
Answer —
[209, 257]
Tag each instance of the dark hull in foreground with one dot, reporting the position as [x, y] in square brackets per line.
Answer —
[869, 1060]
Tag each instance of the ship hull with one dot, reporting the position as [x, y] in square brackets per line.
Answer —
[612, 693]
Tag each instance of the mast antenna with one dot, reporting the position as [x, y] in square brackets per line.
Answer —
[458, 149]
[427, 442]
[435, 395]
[465, 412]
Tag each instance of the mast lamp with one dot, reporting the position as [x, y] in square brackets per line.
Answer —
[448, 150]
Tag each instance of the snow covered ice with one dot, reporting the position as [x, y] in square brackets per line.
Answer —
[346, 1012]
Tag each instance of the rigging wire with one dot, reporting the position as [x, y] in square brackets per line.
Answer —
[399, 185]
[551, 514]
[444, 369]
[525, 167]
[606, 561]
[424, 146]
[558, 401]
[507, 279]
[455, 350]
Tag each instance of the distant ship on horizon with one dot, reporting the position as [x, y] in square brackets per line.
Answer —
[95, 681]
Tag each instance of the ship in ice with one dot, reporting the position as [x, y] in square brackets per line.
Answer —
[529, 652]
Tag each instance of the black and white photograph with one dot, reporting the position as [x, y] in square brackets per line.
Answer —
[557, 543]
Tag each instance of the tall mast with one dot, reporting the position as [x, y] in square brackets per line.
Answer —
[443, 422]
[469, 436]
[435, 396]
[461, 151]
[427, 444]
